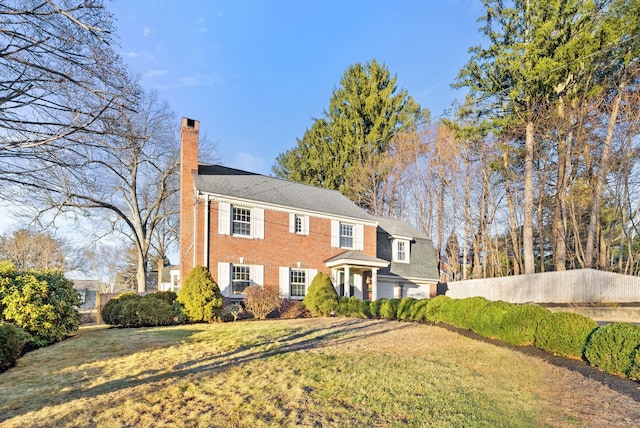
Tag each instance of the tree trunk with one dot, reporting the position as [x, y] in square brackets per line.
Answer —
[594, 217]
[527, 225]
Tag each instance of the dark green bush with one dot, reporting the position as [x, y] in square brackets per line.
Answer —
[131, 310]
[389, 309]
[463, 312]
[12, 341]
[43, 303]
[634, 373]
[167, 296]
[419, 310]
[111, 311]
[564, 334]
[612, 348]
[520, 322]
[200, 296]
[404, 308]
[321, 298]
[154, 311]
[489, 322]
[439, 309]
[364, 312]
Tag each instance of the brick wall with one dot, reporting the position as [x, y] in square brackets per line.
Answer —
[279, 247]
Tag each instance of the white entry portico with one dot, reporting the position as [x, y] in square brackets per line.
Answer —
[351, 272]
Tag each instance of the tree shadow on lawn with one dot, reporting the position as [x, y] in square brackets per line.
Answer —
[619, 384]
[341, 332]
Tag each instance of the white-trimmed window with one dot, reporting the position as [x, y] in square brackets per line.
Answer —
[297, 282]
[240, 278]
[346, 235]
[299, 224]
[241, 221]
[401, 250]
[294, 282]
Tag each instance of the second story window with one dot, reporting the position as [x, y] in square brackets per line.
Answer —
[346, 235]
[299, 224]
[402, 251]
[241, 221]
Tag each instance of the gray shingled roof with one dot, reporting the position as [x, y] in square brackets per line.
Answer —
[356, 255]
[421, 250]
[235, 183]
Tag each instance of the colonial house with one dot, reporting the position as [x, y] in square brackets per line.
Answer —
[251, 229]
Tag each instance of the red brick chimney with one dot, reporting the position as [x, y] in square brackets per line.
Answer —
[189, 130]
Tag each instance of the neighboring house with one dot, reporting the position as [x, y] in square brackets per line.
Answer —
[169, 278]
[88, 290]
[251, 229]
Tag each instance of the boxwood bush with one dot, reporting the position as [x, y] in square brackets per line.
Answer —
[489, 322]
[464, 311]
[520, 322]
[612, 348]
[132, 310]
[374, 308]
[439, 309]
[12, 342]
[564, 334]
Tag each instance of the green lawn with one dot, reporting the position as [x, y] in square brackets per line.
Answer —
[311, 372]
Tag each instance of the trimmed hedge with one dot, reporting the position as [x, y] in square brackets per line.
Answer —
[489, 321]
[439, 309]
[12, 342]
[613, 348]
[405, 307]
[465, 311]
[131, 310]
[389, 309]
[419, 310]
[564, 334]
[520, 323]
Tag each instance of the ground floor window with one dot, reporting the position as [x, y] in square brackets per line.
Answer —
[297, 282]
[240, 279]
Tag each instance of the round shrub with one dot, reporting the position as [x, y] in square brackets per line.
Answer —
[12, 341]
[419, 310]
[611, 348]
[111, 311]
[404, 308]
[489, 322]
[200, 295]
[463, 312]
[439, 309]
[43, 303]
[153, 311]
[167, 296]
[520, 322]
[389, 309]
[564, 334]
[321, 298]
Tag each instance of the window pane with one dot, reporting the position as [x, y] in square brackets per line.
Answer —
[346, 235]
[297, 282]
[298, 224]
[401, 251]
[241, 221]
[241, 279]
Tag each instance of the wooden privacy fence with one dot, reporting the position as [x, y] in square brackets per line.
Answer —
[572, 286]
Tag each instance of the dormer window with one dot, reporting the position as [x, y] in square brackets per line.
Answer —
[401, 249]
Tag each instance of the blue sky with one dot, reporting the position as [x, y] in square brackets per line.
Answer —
[256, 73]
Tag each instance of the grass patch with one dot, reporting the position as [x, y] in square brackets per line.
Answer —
[310, 372]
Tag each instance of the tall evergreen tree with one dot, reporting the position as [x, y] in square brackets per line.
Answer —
[365, 113]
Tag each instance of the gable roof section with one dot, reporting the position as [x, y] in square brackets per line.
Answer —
[423, 263]
[228, 182]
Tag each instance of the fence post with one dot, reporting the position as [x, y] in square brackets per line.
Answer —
[98, 318]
